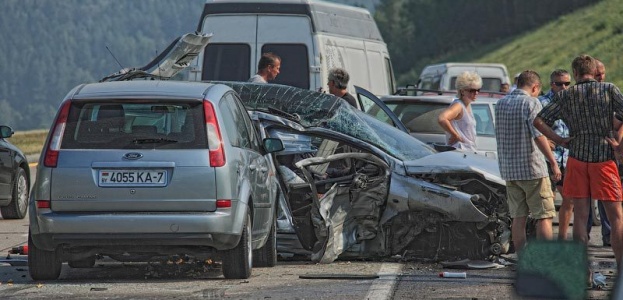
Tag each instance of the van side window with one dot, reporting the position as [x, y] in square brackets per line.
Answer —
[228, 62]
[294, 64]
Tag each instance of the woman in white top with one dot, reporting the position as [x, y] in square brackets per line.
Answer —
[458, 120]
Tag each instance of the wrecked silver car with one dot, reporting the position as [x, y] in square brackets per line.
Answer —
[355, 187]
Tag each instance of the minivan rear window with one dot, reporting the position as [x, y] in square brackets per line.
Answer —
[294, 64]
[227, 62]
[135, 125]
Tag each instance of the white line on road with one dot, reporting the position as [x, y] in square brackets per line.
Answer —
[383, 287]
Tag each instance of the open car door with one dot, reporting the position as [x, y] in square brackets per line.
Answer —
[373, 106]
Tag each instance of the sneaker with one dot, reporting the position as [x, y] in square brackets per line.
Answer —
[607, 244]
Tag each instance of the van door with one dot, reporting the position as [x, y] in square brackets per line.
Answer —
[231, 55]
[290, 37]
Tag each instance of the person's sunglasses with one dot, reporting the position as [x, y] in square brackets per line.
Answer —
[567, 83]
[473, 90]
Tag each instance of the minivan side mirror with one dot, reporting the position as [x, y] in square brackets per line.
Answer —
[272, 145]
[6, 132]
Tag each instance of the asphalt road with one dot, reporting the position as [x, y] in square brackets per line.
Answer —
[186, 279]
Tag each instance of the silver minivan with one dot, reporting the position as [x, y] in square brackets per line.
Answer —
[135, 170]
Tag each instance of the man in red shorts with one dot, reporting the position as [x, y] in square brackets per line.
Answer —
[588, 109]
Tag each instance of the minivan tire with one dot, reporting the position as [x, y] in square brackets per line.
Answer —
[19, 203]
[237, 262]
[267, 255]
[43, 265]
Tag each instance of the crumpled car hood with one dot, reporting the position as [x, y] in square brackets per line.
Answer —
[453, 161]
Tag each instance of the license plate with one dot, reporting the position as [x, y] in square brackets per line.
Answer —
[132, 177]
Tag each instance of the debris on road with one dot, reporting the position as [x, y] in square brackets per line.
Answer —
[453, 274]
[21, 250]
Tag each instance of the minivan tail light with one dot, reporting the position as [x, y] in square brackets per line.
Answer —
[221, 203]
[54, 143]
[215, 142]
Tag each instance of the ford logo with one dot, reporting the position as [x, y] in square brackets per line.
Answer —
[133, 156]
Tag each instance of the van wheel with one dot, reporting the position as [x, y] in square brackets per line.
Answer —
[19, 202]
[267, 255]
[43, 265]
[237, 262]
[88, 262]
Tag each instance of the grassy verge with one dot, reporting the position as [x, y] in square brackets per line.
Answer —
[30, 142]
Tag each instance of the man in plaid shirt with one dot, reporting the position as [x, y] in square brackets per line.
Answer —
[520, 157]
[588, 109]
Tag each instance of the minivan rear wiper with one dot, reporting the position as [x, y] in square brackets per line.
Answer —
[153, 141]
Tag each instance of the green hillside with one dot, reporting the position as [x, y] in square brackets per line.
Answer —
[596, 30]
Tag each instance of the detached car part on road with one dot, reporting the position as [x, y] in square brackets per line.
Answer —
[356, 187]
[14, 178]
[140, 169]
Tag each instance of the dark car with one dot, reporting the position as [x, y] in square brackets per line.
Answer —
[14, 178]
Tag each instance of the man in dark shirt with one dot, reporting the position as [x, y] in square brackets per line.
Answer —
[338, 83]
[588, 109]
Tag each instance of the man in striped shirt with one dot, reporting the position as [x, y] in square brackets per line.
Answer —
[520, 157]
[588, 109]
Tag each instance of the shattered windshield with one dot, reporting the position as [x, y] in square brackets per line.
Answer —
[314, 109]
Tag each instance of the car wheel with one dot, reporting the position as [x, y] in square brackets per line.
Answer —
[43, 265]
[88, 262]
[19, 202]
[237, 262]
[267, 255]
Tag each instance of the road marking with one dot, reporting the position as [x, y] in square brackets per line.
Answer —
[383, 288]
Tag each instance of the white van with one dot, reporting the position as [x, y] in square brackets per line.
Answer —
[443, 76]
[311, 37]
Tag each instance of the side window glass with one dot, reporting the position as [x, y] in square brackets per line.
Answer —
[252, 136]
[372, 109]
[228, 62]
[491, 84]
[238, 128]
[295, 64]
[484, 120]
[234, 126]
[436, 83]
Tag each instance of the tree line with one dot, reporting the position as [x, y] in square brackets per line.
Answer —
[48, 47]
[420, 32]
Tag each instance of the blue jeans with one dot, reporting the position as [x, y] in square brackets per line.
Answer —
[605, 224]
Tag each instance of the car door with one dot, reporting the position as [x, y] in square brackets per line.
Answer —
[370, 103]
[263, 191]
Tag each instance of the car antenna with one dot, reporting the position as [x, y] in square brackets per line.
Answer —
[113, 56]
